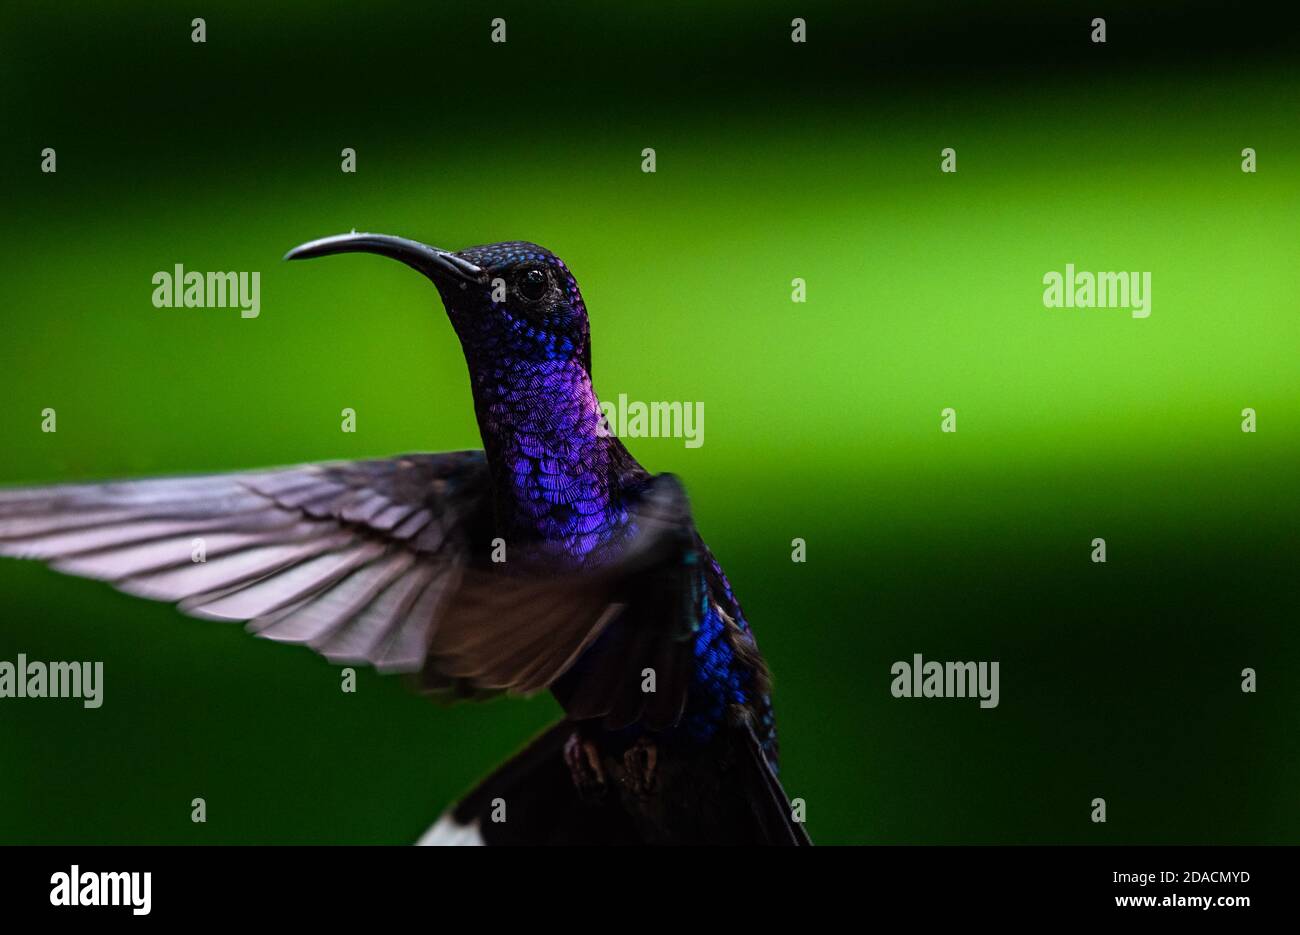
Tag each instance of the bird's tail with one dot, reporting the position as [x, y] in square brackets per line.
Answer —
[530, 799]
[773, 814]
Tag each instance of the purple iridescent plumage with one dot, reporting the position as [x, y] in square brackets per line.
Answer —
[561, 478]
[608, 598]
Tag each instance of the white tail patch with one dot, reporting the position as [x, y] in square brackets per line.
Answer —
[448, 833]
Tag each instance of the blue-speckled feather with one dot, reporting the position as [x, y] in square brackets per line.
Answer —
[563, 483]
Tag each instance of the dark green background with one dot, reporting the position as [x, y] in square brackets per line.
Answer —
[821, 420]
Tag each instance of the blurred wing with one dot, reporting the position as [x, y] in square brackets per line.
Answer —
[385, 562]
[348, 558]
[595, 635]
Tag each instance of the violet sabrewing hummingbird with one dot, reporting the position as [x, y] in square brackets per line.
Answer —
[550, 560]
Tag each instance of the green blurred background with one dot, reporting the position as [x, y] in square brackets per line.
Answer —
[775, 161]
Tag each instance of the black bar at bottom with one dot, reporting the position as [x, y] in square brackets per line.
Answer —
[330, 885]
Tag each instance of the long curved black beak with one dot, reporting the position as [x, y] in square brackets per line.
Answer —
[439, 265]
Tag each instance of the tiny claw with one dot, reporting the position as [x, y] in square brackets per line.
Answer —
[640, 761]
[583, 760]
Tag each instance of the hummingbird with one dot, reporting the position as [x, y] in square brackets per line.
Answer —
[549, 560]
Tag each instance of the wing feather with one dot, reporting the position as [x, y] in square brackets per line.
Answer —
[312, 618]
[287, 586]
[383, 562]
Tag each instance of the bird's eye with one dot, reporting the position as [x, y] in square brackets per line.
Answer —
[532, 284]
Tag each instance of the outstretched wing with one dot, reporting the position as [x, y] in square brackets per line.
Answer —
[385, 562]
[348, 558]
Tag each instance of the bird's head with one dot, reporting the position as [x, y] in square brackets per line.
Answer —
[512, 299]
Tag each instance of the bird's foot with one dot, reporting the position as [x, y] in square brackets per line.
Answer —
[639, 764]
[583, 760]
